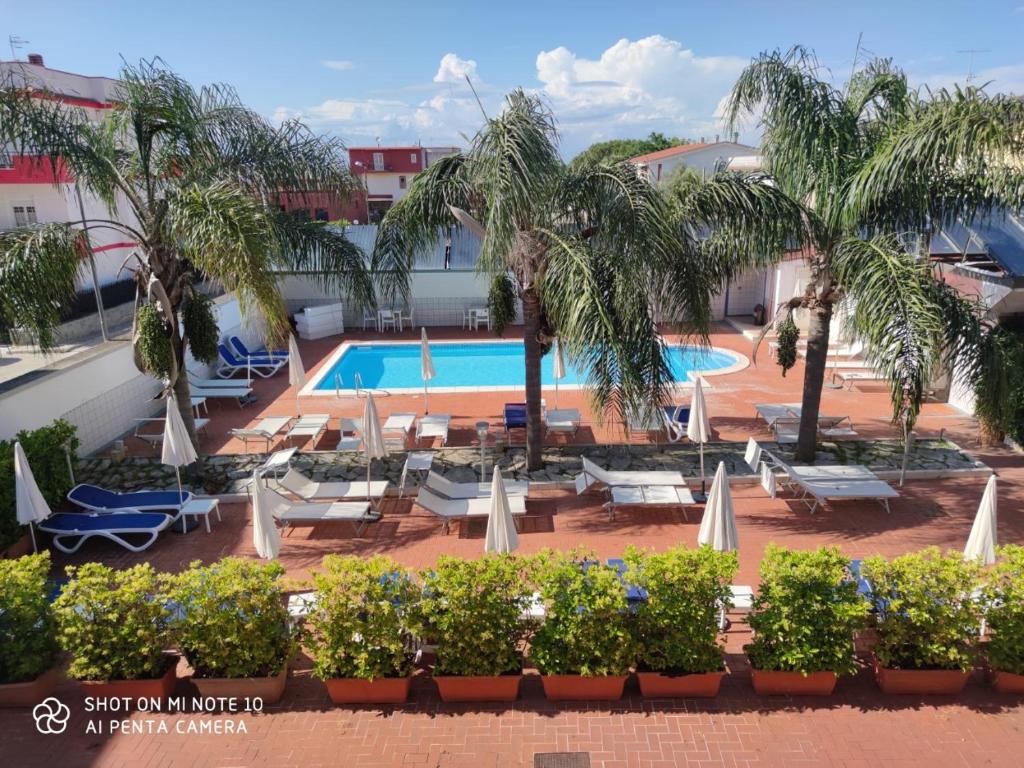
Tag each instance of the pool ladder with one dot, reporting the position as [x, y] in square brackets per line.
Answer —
[337, 384]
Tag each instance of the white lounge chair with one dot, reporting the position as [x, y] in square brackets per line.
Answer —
[787, 430]
[433, 425]
[157, 438]
[198, 382]
[452, 490]
[838, 482]
[264, 367]
[852, 377]
[350, 439]
[294, 513]
[833, 364]
[610, 478]
[311, 425]
[457, 509]
[267, 429]
[647, 496]
[566, 420]
[771, 412]
[310, 490]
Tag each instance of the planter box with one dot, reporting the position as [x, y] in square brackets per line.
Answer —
[19, 548]
[29, 693]
[931, 682]
[580, 688]
[383, 690]
[1007, 682]
[156, 688]
[660, 685]
[478, 687]
[269, 689]
[771, 683]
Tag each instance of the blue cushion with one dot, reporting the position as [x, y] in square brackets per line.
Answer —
[101, 498]
[77, 521]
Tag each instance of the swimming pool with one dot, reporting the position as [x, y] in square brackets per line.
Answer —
[488, 365]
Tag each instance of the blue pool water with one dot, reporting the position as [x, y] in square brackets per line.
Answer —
[489, 364]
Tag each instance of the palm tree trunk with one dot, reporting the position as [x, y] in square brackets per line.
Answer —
[534, 427]
[814, 380]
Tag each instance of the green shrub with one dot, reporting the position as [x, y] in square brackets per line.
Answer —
[588, 628]
[787, 335]
[365, 610]
[501, 303]
[805, 612]
[113, 623]
[473, 609]
[1004, 594]
[233, 619]
[200, 322]
[44, 448]
[154, 342]
[677, 626]
[927, 617]
[28, 632]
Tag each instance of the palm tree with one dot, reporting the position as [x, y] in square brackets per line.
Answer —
[192, 178]
[595, 254]
[877, 166]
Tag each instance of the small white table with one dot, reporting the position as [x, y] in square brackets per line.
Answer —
[399, 425]
[199, 402]
[476, 314]
[200, 507]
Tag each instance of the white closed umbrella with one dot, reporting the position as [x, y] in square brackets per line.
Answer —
[501, 528]
[427, 371]
[373, 437]
[296, 370]
[178, 450]
[981, 544]
[265, 536]
[698, 429]
[718, 526]
[559, 367]
[30, 506]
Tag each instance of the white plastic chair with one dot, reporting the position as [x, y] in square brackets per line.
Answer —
[388, 317]
[370, 318]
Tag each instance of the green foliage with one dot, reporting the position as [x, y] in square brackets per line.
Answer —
[501, 302]
[617, 150]
[787, 336]
[233, 618]
[927, 617]
[28, 632]
[677, 625]
[588, 628]
[44, 448]
[473, 608]
[200, 323]
[1004, 595]
[113, 623]
[805, 612]
[154, 345]
[365, 610]
[999, 385]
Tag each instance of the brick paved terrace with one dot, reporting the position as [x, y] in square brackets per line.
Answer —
[855, 727]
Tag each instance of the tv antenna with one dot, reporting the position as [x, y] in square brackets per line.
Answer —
[970, 61]
[16, 43]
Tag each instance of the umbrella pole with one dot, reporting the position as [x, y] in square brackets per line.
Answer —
[702, 496]
[426, 398]
[556, 393]
[32, 533]
[181, 492]
[369, 465]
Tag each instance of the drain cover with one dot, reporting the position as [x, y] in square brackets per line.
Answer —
[561, 760]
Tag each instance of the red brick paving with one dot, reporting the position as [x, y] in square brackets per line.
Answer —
[855, 727]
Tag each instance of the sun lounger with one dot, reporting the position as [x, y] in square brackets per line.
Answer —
[647, 496]
[97, 499]
[565, 420]
[238, 344]
[611, 478]
[433, 425]
[514, 416]
[677, 419]
[312, 425]
[157, 438]
[199, 382]
[267, 429]
[844, 350]
[831, 364]
[242, 394]
[787, 430]
[442, 486]
[851, 377]
[71, 530]
[771, 412]
[310, 490]
[261, 366]
[456, 509]
[294, 513]
[837, 482]
[350, 439]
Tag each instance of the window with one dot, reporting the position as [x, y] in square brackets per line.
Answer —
[5, 159]
[401, 182]
[413, 158]
[24, 215]
[378, 161]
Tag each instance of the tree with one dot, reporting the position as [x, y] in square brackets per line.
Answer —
[877, 166]
[595, 254]
[617, 150]
[191, 177]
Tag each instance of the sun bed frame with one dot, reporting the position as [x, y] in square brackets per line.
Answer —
[458, 509]
[310, 490]
[295, 513]
[79, 527]
[449, 489]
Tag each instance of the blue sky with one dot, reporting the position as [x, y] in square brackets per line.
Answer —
[394, 69]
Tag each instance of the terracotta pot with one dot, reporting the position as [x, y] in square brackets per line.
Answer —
[478, 687]
[30, 693]
[1007, 682]
[19, 548]
[659, 685]
[156, 688]
[580, 688]
[772, 683]
[269, 689]
[383, 690]
[930, 682]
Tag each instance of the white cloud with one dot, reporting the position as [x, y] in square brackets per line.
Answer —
[342, 65]
[455, 70]
[1004, 79]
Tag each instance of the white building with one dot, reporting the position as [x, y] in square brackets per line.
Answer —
[704, 157]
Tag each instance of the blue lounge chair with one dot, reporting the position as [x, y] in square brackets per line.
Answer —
[262, 366]
[515, 416]
[634, 594]
[244, 351]
[97, 499]
[71, 530]
[677, 418]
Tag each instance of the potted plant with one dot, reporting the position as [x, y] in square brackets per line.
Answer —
[677, 625]
[28, 632]
[474, 611]
[113, 623]
[586, 644]
[364, 612]
[1004, 596]
[927, 620]
[803, 619]
[232, 624]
